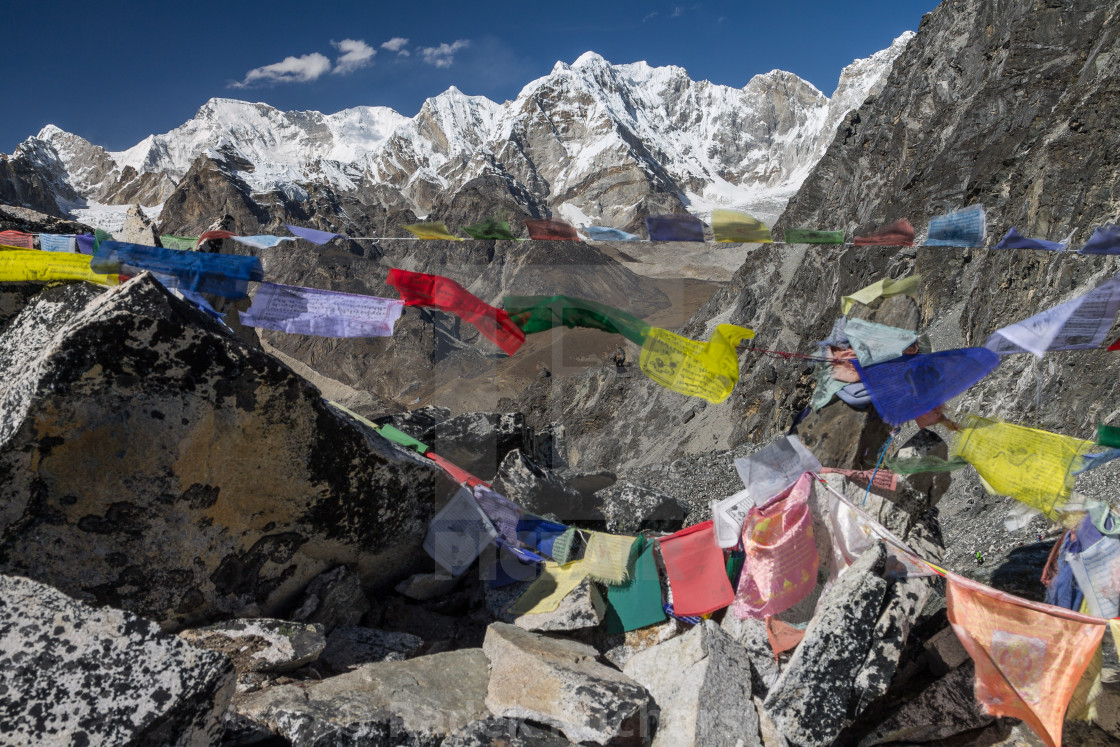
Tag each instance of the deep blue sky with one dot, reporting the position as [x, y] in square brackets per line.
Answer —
[116, 72]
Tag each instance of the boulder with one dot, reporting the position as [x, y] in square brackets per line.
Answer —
[751, 635]
[261, 645]
[349, 647]
[506, 732]
[944, 652]
[701, 685]
[586, 483]
[945, 708]
[224, 483]
[582, 608]
[631, 508]
[618, 648]
[541, 491]
[137, 228]
[333, 598]
[416, 702]
[419, 423]
[812, 700]
[560, 683]
[1020, 573]
[479, 441]
[425, 586]
[75, 674]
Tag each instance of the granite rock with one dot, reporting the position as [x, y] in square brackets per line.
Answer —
[540, 490]
[943, 709]
[582, 608]
[262, 644]
[631, 508]
[350, 646]
[506, 732]
[332, 599]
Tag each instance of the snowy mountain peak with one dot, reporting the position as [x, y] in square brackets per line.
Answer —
[589, 59]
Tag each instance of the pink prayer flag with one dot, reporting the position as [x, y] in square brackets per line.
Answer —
[884, 478]
[899, 233]
[781, 564]
[17, 238]
[551, 230]
[696, 570]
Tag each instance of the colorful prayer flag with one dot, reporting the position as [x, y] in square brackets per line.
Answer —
[436, 291]
[313, 235]
[541, 313]
[877, 343]
[58, 243]
[100, 236]
[491, 229]
[637, 603]
[457, 473]
[696, 570]
[698, 369]
[539, 533]
[1029, 657]
[885, 288]
[216, 235]
[771, 470]
[1108, 435]
[1097, 570]
[880, 479]
[674, 228]
[899, 233]
[179, 243]
[1012, 240]
[262, 242]
[29, 265]
[401, 438]
[728, 516]
[964, 228]
[310, 311]
[551, 229]
[734, 226]
[1032, 466]
[17, 239]
[783, 636]
[225, 275]
[502, 512]
[1105, 240]
[1079, 323]
[86, 243]
[602, 233]
[436, 230]
[810, 236]
[906, 387]
[555, 582]
[607, 558]
[458, 533]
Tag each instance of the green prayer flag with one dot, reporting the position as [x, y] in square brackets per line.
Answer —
[928, 463]
[1108, 435]
[565, 548]
[734, 226]
[402, 438]
[735, 566]
[542, 313]
[637, 603]
[491, 228]
[181, 243]
[99, 236]
[809, 236]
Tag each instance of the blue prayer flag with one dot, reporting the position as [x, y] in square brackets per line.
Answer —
[674, 228]
[225, 275]
[1012, 240]
[906, 387]
[601, 233]
[87, 242]
[313, 235]
[49, 242]
[1105, 240]
[539, 533]
[960, 228]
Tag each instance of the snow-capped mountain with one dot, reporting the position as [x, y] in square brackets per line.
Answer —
[590, 141]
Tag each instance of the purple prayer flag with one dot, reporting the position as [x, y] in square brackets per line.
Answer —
[912, 385]
[87, 243]
[675, 228]
[1105, 240]
[1012, 240]
[502, 512]
[309, 311]
[313, 235]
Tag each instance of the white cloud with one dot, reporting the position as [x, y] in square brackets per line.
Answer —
[444, 54]
[650, 16]
[677, 12]
[301, 69]
[356, 54]
[396, 44]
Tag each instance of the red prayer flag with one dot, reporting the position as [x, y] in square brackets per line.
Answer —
[696, 570]
[899, 233]
[551, 230]
[458, 474]
[214, 236]
[782, 635]
[1115, 346]
[436, 291]
[17, 238]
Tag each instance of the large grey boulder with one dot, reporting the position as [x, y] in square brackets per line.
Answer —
[812, 701]
[559, 682]
[417, 703]
[631, 508]
[505, 732]
[540, 490]
[479, 441]
[946, 707]
[348, 647]
[750, 634]
[261, 644]
[332, 599]
[75, 674]
[151, 461]
[701, 684]
[583, 607]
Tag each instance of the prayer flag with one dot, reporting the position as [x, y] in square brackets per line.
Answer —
[1105, 240]
[458, 533]
[698, 369]
[545, 594]
[510, 565]
[884, 288]
[180, 243]
[906, 387]
[551, 229]
[436, 291]
[313, 235]
[728, 516]
[637, 603]
[1079, 323]
[491, 229]
[826, 386]
[198, 300]
[29, 265]
[773, 469]
[58, 243]
[1115, 346]
[854, 532]
[225, 275]
[1097, 570]
[1029, 657]
[539, 533]
[601, 233]
[1012, 240]
[100, 236]
[734, 226]
[781, 564]
[17, 239]
[965, 227]
[881, 479]
[877, 343]
[218, 235]
[696, 570]
[783, 636]
[458, 474]
[364, 421]
[567, 545]
[1092, 461]
[540, 313]
[502, 512]
[401, 438]
[432, 230]
[607, 558]
[674, 228]
[899, 233]
[1033, 466]
[809, 236]
[262, 242]
[310, 311]
[86, 243]
[1108, 435]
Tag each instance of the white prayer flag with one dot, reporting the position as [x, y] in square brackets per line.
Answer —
[1080, 323]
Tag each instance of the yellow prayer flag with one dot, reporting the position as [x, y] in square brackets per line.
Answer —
[1083, 702]
[884, 288]
[1114, 626]
[432, 230]
[1029, 465]
[555, 582]
[734, 226]
[697, 369]
[607, 558]
[24, 265]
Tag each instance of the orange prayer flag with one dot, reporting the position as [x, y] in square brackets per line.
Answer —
[1029, 656]
[782, 635]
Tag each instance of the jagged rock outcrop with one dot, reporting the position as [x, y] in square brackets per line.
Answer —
[351, 646]
[261, 644]
[333, 599]
[224, 482]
